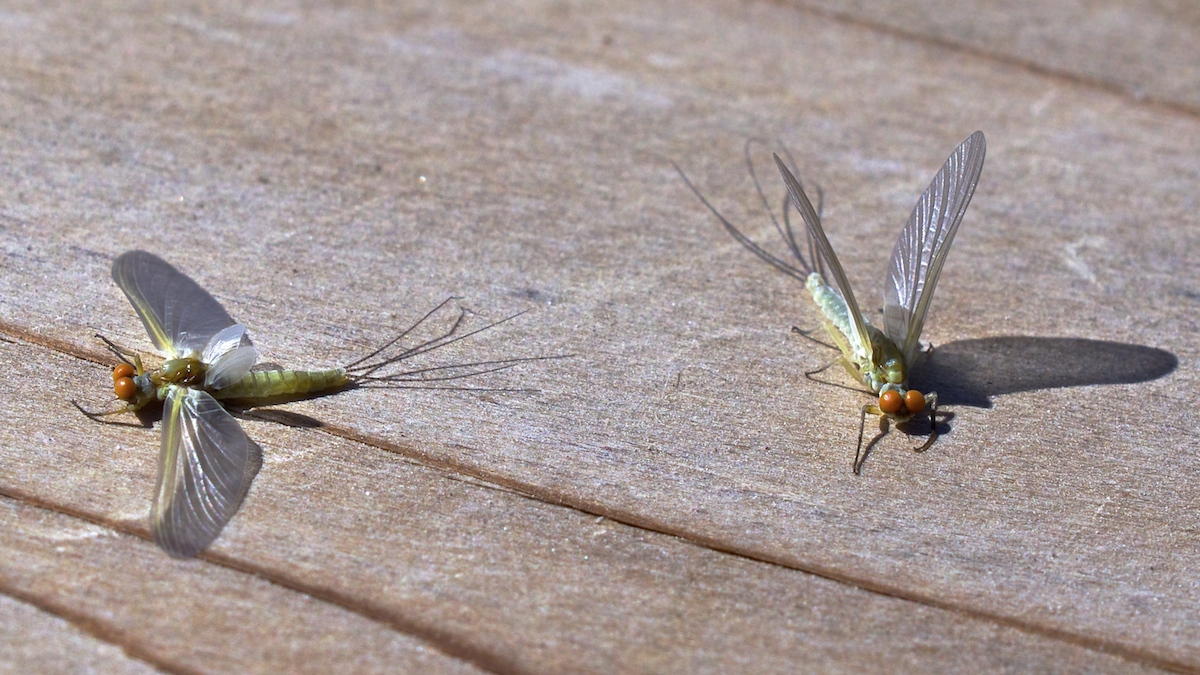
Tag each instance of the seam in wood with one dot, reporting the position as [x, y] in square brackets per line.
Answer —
[97, 629]
[453, 646]
[630, 519]
[439, 640]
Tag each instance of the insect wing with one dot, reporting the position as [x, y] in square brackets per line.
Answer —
[229, 355]
[180, 316]
[204, 471]
[922, 247]
[859, 339]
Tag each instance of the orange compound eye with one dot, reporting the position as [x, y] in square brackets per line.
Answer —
[125, 388]
[914, 402]
[123, 370]
[890, 402]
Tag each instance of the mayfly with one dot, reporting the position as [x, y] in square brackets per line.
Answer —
[206, 460]
[880, 359]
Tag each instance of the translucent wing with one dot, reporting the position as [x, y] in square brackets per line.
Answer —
[204, 471]
[861, 343]
[229, 355]
[922, 247]
[180, 316]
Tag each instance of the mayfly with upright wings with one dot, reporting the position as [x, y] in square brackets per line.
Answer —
[880, 359]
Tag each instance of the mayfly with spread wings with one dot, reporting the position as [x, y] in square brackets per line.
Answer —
[877, 358]
[206, 461]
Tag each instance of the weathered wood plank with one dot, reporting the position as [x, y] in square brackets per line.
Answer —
[1145, 49]
[181, 616]
[329, 174]
[351, 556]
[33, 640]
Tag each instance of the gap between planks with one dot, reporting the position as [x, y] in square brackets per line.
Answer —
[97, 629]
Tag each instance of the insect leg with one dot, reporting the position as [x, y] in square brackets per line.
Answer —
[843, 346]
[808, 335]
[123, 353]
[859, 455]
[852, 369]
[858, 458]
[95, 416]
[884, 427]
[839, 340]
[809, 373]
[931, 397]
[839, 344]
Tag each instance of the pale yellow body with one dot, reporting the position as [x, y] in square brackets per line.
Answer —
[269, 383]
[257, 384]
[885, 368]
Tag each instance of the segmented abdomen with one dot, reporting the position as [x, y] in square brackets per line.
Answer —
[266, 383]
[831, 304]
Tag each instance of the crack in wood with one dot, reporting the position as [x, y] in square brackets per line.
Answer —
[95, 628]
[439, 640]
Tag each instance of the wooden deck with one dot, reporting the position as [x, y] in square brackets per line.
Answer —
[675, 496]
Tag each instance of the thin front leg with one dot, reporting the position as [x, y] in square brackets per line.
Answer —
[123, 353]
[860, 456]
[933, 434]
[96, 416]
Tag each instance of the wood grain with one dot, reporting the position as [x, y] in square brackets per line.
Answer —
[675, 496]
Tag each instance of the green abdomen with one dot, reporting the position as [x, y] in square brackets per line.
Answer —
[267, 383]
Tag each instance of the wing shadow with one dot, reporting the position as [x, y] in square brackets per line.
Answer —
[971, 372]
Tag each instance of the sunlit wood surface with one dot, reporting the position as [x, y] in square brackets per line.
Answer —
[675, 496]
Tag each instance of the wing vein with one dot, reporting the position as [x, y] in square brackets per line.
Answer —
[921, 249]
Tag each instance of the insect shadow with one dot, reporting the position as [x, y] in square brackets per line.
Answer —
[876, 357]
[971, 372]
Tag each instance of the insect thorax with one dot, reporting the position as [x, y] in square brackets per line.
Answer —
[891, 365]
[187, 372]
